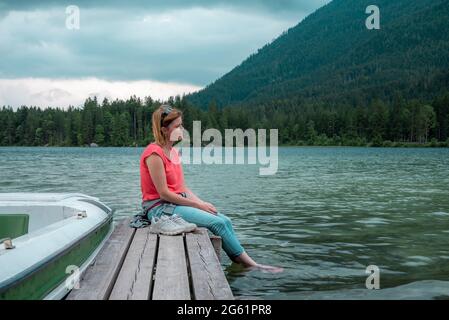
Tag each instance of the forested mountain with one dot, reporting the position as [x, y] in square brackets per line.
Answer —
[332, 58]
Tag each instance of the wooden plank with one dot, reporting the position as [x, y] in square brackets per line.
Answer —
[171, 280]
[97, 281]
[216, 243]
[208, 279]
[135, 278]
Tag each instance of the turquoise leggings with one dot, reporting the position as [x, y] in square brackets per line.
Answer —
[219, 224]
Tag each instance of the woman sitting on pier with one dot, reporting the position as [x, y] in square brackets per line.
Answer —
[170, 205]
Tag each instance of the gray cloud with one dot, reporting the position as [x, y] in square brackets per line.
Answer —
[263, 5]
[179, 41]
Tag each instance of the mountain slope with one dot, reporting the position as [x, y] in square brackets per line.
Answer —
[332, 57]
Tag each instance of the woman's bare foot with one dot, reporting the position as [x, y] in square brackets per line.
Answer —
[270, 269]
[245, 260]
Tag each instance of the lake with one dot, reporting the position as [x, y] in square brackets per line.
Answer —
[325, 216]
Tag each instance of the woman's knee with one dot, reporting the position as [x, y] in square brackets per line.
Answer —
[221, 224]
[226, 220]
[218, 226]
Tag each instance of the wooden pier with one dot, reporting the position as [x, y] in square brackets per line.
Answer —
[135, 264]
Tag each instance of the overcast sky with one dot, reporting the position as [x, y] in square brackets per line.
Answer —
[156, 48]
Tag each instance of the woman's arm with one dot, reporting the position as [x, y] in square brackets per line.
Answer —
[157, 172]
[191, 195]
[210, 207]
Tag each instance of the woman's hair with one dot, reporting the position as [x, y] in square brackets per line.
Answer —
[162, 117]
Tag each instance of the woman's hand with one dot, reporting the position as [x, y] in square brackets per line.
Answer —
[206, 206]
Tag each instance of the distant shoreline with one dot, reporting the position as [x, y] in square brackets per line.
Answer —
[440, 145]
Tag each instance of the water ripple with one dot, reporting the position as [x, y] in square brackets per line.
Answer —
[325, 216]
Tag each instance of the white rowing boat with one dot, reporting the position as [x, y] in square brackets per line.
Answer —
[46, 240]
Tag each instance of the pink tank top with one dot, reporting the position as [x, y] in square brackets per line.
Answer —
[173, 172]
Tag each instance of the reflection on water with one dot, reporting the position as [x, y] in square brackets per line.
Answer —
[325, 216]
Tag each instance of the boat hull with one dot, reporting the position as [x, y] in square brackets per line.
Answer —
[52, 275]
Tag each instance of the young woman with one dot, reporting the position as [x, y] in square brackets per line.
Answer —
[162, 178]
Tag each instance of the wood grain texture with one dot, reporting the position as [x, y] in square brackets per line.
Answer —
[171, 280]
[208, 279]
[135, 278]
[97, 282]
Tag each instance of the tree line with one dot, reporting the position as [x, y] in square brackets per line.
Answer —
[128, 122]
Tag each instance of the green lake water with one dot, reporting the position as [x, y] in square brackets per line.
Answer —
[325, 216]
